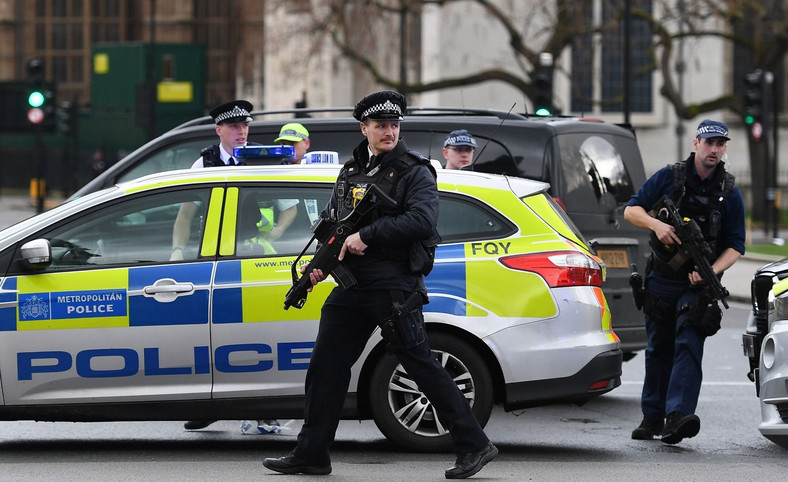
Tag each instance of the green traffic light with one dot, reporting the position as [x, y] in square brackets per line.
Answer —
[542, 111]
[35, 99]
[749, 119]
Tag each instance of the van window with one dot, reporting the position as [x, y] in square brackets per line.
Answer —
[592, 167]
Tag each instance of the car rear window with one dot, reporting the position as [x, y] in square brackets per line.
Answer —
[593, 166]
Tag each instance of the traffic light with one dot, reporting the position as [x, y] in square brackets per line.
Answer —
[66, 117]
[754, 97]
[40, 97]
[543, 87]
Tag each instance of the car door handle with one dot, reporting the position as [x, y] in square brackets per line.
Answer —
[167, 289]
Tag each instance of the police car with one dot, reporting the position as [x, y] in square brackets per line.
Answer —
[765, 343]
[98, 323]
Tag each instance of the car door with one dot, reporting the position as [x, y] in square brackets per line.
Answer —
[111, 318]
[259, 347]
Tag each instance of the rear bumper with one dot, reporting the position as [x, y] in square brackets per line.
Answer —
[572, 389]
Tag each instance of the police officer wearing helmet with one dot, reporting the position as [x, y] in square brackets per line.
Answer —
[384, 258]
[232, 126]
[679, 317]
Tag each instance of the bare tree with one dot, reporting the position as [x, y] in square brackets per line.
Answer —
[755, 27]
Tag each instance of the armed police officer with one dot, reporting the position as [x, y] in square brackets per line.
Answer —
[387, 256]
[679, 315]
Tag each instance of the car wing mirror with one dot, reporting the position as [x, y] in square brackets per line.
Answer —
[37, 253]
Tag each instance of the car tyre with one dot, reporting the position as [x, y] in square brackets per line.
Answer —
[405, 416]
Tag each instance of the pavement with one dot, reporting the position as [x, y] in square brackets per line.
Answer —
[16, 206]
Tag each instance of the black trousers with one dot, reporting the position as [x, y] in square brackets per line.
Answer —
[347, 320]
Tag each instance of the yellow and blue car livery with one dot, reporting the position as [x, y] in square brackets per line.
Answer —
[207, 336]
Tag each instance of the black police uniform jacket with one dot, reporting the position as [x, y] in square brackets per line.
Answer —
[389, 231]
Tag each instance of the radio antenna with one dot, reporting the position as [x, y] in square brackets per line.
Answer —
[494, 132]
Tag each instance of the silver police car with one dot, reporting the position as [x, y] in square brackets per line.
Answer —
[766, 345]
[104, 317]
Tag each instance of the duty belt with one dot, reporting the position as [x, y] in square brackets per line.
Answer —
[664, 269]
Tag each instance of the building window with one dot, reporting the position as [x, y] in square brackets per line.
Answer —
[41, 37]
[77, 66]
[76, 36]
[59, 8]
[743, 58]
[604, 53]
[59, 36]
[59, 69]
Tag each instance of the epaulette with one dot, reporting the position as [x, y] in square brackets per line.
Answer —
[422, 159]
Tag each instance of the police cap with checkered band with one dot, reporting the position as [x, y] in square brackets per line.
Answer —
[383, 105]
[233, 111]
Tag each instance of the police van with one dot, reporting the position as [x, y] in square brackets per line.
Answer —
[99, 321]
[592, 167]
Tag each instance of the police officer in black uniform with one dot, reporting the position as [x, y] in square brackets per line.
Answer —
[679, 317]
[232, 126]
[386, 256]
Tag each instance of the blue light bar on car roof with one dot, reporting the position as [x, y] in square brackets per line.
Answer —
[264, 152]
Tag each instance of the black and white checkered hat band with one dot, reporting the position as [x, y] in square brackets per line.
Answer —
[387, 106]
[236, 112]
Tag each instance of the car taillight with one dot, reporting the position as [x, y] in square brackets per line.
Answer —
[560, 203]
[559, 268]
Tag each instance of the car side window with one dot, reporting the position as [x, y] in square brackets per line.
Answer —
[594, 163]
[176, 156]
[277, 221]
[462, 219]
[135, 231]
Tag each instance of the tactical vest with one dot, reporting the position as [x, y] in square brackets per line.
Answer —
[211, 157]
[355, 182]
[703, 203]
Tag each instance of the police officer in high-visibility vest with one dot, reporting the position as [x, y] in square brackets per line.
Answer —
[383, 258]
[296, 135]
[679, 317]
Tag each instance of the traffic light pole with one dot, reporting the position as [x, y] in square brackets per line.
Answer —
[775, 161]
[40, 183]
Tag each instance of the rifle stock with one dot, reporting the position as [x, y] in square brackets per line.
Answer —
[331, 235]
[693, 247]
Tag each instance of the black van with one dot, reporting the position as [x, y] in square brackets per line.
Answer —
[593, 168]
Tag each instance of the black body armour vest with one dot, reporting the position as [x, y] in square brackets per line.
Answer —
[211, 157]
[703, 203]
[355, 182]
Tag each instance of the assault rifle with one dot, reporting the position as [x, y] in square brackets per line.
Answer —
[693, 247]
[331, 234]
